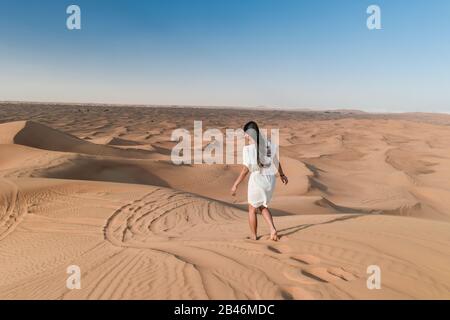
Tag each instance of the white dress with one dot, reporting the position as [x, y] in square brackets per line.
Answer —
[262, 180]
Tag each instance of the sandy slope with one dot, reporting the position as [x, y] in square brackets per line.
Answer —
[364, 190]
[152, 242]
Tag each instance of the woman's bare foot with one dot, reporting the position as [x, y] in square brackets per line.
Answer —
[274, 235]
[254, 237]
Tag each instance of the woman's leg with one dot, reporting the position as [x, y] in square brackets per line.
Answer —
[252, 221]
[268, 217]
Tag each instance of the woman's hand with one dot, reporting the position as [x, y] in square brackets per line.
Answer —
[241, 177]
[284, 179]
[233, 190]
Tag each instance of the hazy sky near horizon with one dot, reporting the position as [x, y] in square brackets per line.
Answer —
[282, 53]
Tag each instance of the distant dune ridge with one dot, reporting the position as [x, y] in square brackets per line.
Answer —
[94, 186]
[36, 135]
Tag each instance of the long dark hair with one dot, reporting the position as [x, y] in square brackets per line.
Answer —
[252, 129]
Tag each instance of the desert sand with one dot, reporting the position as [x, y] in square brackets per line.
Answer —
[94, 186]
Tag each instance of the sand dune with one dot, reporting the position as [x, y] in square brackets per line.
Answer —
[32, 134]
[95, 187]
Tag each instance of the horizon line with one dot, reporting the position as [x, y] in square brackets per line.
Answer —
[189, 106]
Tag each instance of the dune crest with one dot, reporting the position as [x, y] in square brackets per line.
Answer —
[36, 135]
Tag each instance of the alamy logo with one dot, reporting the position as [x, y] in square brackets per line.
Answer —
[74, 280]
[374, 279]
[73, 21]
[374, 20]
[213, 147]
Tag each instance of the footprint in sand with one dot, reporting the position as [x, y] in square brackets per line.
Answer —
[273, 249]
[311, 270]
[298, 276]
[341, 273]
[297, 293]
[306, 259]
[320, 274]
[280, 249]
[330, 274]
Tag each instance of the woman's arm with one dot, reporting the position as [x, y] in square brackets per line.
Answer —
[241, 177]
[283, 177]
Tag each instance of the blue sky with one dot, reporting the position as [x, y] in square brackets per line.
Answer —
[282, 53]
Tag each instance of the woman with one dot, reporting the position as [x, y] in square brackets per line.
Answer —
[261, 160]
